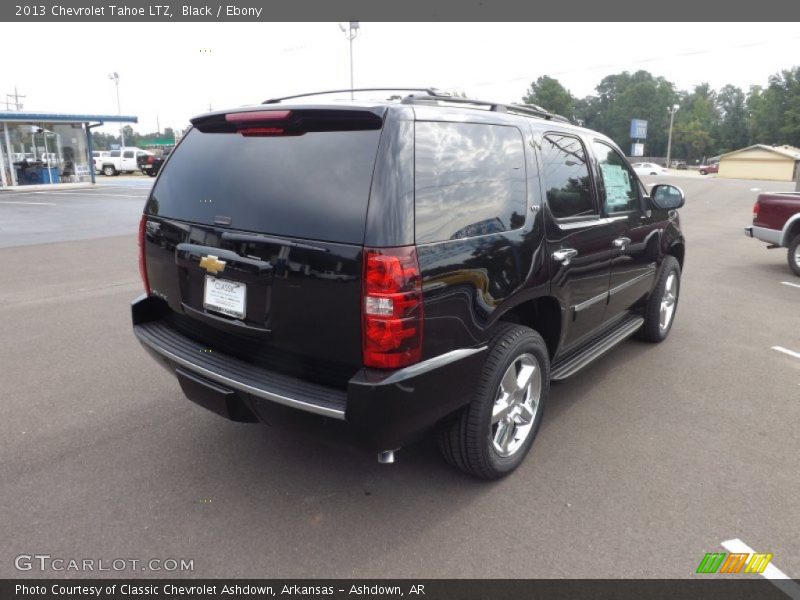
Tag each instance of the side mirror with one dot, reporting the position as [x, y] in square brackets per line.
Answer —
[666, 197]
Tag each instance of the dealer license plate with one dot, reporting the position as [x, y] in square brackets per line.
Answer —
[225, 296]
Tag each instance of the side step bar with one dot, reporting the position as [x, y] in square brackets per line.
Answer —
[574, 362]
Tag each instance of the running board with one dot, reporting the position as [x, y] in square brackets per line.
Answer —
[573, 363]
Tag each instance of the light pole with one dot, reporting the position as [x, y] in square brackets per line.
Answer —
[115, 78]
[672, 112]
[351, 31]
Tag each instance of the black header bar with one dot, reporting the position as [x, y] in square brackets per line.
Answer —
[399, 10]
[387, 589]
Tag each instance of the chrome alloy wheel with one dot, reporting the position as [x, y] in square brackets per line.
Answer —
[516, 405]
[668, 301]
[797, 255]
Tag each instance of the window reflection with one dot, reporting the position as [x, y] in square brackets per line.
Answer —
[618, 180]
[566, 177]
[469, 180]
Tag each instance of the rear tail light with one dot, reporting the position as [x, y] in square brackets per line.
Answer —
[142, 261]
[756, 209]
[392, 308]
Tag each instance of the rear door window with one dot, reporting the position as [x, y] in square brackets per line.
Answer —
[469, 180]
[566, 177]
[313, 186]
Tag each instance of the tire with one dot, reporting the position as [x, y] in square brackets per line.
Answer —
[702, 172]
[470, 441]
[654, 328]
[109, 171]
[152, 173]
[794, 255]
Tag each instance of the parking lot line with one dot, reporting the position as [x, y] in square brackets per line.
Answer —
[780, 579]
[791, 284]
[30, 203]
[786, 351]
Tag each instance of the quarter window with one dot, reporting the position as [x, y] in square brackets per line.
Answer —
[618, 182]
[469, 180]
[566, 177]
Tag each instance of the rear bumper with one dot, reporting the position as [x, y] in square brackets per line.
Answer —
[771, 236]
[382, 409]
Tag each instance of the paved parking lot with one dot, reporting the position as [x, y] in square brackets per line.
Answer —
[110, 208]
[646, 460]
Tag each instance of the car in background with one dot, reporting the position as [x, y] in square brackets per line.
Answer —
[679, 164]
[97, 159]
[150, 164]
[649, 169]
[776, 220]
[708, 169]
[122, 161]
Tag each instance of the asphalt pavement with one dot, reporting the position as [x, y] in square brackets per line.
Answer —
[112, 207]
[646, 460]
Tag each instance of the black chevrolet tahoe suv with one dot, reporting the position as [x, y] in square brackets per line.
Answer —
[409, 265]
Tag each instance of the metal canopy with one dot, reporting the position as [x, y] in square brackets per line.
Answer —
[13, 115]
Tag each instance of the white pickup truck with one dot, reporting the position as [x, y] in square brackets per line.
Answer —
[97, 159]
[120, 161]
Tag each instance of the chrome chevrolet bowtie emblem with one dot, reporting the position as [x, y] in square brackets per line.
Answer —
[212, 264]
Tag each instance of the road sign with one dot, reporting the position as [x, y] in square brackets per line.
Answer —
[638, 129]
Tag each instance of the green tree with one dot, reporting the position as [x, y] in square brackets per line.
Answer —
[131, 137]
[707, 123]
[624, 96]
[103, 141]
[733, 126]
[552, 96]
[775, 110]
[696, 124]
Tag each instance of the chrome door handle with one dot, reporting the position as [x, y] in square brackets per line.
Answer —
[622, 242]
[565, 255]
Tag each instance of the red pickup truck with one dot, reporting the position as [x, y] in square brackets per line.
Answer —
[776, 220]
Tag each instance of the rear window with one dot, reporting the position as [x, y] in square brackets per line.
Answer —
[313, 186]
[469, 180]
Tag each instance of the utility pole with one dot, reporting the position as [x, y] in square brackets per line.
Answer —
[115, 78]
[16, 96]
[351, 32]
[672, 112]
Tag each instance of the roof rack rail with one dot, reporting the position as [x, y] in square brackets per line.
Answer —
[430, 91]
[525, 109]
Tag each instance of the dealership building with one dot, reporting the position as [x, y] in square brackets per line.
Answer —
[39, 148]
